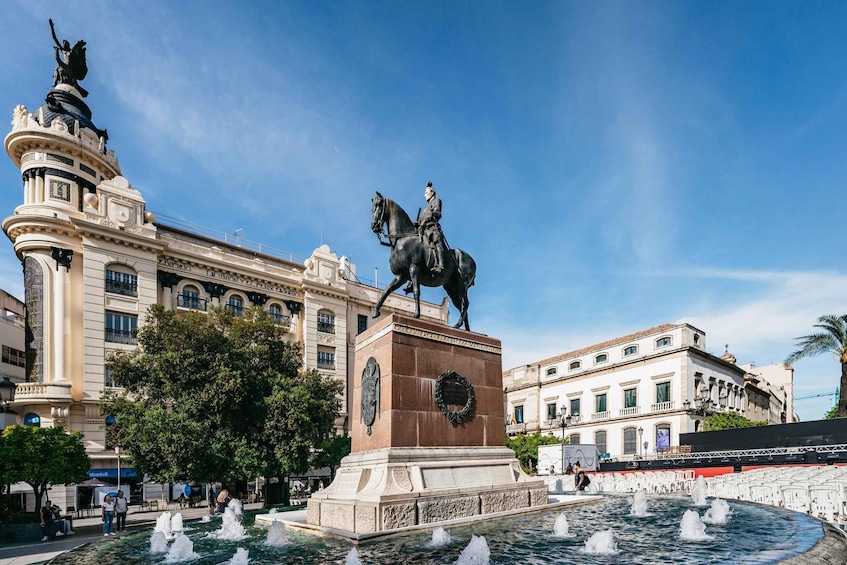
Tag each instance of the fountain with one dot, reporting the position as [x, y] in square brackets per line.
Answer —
[476, 552]
[182, 549]
[601, 543]
[176, 523]
[692, 528]
[241, 557]
[206, 519]
[158, 543]
[440, 538]
[231, 529]
[639, 504]
[754, 535]
[276, 535]
[560, 528]
[698, 492]
[236, 507]
[719, 513]
[163, 524]
[353, 558]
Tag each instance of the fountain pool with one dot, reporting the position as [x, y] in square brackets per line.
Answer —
[754, 535]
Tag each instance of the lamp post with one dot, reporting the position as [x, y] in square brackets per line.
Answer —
[564, 421]
[111, 421]
[7, 393]
[703, 403]
[640, 438]
[118, 453]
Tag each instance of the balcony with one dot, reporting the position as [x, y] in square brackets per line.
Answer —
[597, 416]
[515, 428]
[191, 302]
[38, 393]
[120, 287]
[662, 406]
[235, 309]
[326, 327]
[280, 319]
[631, 411]
[120, 336]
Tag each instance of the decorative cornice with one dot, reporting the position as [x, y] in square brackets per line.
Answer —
[256, 298]
[430, 335]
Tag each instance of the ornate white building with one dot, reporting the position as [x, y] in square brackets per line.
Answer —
[95, 258]
[631, 395]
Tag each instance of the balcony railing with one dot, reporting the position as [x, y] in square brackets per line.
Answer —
[120, 336]
[326, 327]
[280, 319]
[601, 416]
[191, 302]
[631, 411]
[236, 310]
[662, 406]
[324, 364]
[515, 428]
[120, 287]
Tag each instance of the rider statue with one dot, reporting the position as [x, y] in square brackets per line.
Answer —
[70, 62]
[430, 230]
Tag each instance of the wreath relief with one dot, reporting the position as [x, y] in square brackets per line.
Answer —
[451, 391]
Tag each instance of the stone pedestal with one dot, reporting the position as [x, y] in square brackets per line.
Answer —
[428, 443]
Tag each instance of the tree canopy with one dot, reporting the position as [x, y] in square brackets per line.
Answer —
[331, 453]
[729, 421]
[832, 339]
[42, 457]
[831, 414]
[526, 448]
[218, 397]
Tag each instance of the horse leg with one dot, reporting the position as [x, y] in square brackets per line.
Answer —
[395, 284]
[456, 296]
[414, 273]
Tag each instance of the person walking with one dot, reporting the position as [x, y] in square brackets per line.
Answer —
[108, 510]
[121, 507]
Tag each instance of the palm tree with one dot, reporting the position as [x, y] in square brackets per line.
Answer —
[832, 340]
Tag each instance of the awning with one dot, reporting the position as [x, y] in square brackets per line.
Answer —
[126, 473]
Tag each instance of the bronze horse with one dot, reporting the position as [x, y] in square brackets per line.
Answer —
[409, 260]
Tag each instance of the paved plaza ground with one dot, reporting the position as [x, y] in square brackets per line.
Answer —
[89, 530]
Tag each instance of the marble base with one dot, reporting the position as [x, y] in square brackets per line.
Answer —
[391, 488]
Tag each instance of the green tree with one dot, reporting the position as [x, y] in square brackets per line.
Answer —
[217, 397]
[831, 414]
[833, 339]
[41, 457]
[330, 453]
[526, 448]
[729, 421]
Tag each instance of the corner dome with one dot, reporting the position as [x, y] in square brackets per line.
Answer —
[63, 104]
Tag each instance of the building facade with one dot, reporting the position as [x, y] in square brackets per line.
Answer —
[95, 259]
[631, 396]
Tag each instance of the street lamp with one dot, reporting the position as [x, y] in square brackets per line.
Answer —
[640, 438]
[110, 421]
[7, 392]
[564, 421]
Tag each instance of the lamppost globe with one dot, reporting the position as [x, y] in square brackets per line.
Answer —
[7, 392]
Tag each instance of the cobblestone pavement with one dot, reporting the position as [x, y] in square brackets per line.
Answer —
[91, 529]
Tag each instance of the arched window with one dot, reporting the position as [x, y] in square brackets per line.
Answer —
[602, 358]
[573, 439]
[551, 372]
[32, 420]
[190, 298]
[663, 341]
[275, 310]
[630, 441]
[600, 441]
[574, 365]
[631, 350]
[235, 304]
[120, 279]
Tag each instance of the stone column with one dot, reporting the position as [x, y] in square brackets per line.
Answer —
[39, 188]
[168, 280]
[63, 258]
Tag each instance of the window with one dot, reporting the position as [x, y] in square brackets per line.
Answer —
[60, 159]
[551, 411]
[600, 441]
[696, 339]
[60, 190]
[235, 304]
[121, 283]
[551, 371]
[631, 350]
[362, 324]
[600, 403]
[573, 439]
[519, 414]
[326, 323]
[574, 365]
[326, 359]
[190, 298]
[574, 406]
[663, 392]
[14, 356]
[630, 399]
[663, 437]
[107, 377]
[121, 328]
[32, 420]
[663, 342]
[602, 358]
[88, 170]
[275, 311]
[630, 441]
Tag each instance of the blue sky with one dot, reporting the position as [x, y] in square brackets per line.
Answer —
[610, 165]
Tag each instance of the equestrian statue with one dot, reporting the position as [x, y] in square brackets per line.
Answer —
[420, 255]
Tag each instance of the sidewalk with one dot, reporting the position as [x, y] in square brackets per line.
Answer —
[90, 530]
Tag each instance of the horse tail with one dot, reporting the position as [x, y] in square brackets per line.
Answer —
[466, 266]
